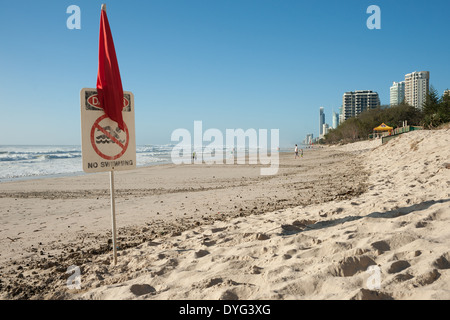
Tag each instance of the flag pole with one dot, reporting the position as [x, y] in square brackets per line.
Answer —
[113, 201]
[113, 215]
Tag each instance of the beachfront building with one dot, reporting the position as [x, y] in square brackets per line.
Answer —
[355, 102]
[321, 121]
[309, 139]
[397, 93]
[341, 114]
[417, 85]
[447, 92]
[325, 129]
[335, 120]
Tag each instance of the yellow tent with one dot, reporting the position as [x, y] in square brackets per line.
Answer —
[383, 127]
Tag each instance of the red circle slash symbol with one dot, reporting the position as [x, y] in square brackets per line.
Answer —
[107, 136]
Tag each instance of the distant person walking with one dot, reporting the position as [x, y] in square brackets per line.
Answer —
[301, 152]
[296, 152]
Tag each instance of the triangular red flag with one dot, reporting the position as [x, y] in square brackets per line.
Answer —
[109, 83]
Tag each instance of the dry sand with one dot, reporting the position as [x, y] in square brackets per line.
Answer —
[225, 232]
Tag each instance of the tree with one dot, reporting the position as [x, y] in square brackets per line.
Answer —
[357, 128]
[432, 101]
[436, 110]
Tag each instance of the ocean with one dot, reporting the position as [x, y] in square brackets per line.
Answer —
[18, 162]
[26, 162]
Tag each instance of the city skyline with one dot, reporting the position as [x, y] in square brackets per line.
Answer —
[412, 90]
[231, 64]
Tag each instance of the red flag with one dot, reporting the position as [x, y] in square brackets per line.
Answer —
[109, 84]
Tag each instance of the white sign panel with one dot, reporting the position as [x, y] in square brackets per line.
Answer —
[104, 146]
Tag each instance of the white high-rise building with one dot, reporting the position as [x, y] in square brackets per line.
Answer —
[397, 93]
[309, 139]
[355, 102]
[335, 120]
[417, 85]
[325, 129]
[341, 114]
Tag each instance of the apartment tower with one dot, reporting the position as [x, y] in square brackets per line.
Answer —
[397, 93]
[417, 85]
[335, 120]
[355, 102]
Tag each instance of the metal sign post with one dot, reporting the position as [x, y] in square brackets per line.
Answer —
[113, 215]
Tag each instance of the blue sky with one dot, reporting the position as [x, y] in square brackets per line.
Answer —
[230, 63]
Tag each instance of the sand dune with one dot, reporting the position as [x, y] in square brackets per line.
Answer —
[378, 227]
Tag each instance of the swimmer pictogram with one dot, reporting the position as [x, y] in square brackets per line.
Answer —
[102, 134]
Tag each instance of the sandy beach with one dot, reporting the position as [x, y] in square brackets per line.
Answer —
[359, 221]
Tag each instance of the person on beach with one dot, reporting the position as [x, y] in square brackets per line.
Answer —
[301, 152]
[296, 152]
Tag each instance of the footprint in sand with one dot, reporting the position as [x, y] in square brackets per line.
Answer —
[443, 261]
[201, 253]
[381, 246]
[427, 278]
[398, 266]
[349, 266]
[141, 289]
[365, 294]
[229, 295]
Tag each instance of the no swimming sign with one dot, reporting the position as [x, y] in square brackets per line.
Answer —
[104, 145]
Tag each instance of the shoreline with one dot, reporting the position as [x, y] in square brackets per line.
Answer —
[68, 174]
[81, 172]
